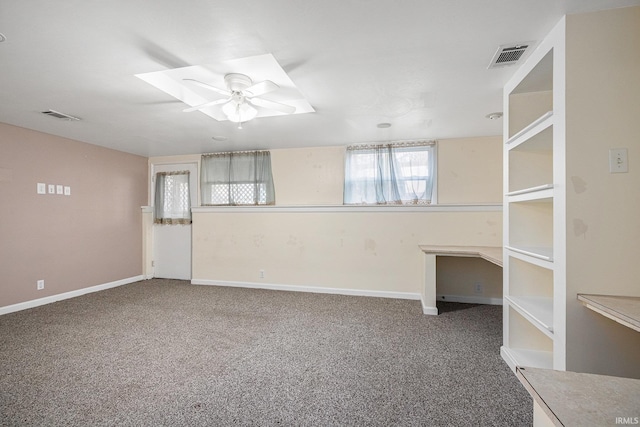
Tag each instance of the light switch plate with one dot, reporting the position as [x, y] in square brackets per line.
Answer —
[618, 160]
[67, 190]
[59, 189]
[42, 188]
[52, 189]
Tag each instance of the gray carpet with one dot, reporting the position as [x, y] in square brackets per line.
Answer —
[163, 352]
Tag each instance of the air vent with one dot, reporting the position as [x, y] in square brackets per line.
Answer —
[59, 115]
[510, 54]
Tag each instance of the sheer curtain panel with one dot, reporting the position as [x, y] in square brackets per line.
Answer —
[172, 201]
[237, 178]
[390, 174]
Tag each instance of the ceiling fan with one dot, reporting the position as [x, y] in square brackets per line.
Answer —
[242, 97]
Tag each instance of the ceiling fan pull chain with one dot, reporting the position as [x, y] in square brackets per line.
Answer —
[239, 116]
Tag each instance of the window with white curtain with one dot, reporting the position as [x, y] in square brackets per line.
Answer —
[401, 173]
[172, 201]
[237, 178]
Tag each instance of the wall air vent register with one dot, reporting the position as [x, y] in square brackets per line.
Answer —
[510, 54]
[59, 115]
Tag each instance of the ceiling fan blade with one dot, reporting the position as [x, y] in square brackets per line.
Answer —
[272, 105]
[206, 104]
[209, 87]
[261, 88]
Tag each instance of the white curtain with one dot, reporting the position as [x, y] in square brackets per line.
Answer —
[396, 173]
[172, 204]
[237, 178]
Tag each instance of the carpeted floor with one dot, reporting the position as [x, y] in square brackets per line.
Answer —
[164, 352]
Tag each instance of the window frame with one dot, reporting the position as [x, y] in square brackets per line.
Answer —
[376, 150]
[161, 215]
[262, 178]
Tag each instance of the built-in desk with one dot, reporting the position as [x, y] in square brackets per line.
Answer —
[564, 398]
[492, 254]
[624, 310]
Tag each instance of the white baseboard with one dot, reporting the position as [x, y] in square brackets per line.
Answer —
[469, 299]
[72, 294]
[431, 311]
[312, 289]
[508, 358]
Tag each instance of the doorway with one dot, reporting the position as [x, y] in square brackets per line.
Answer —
[172, 243]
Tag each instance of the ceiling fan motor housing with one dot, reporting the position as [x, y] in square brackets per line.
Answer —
[237, 82]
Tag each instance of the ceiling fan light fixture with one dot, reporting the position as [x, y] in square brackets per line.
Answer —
[239, 113]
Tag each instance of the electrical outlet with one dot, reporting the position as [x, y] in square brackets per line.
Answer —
[262, 274]
[478, 288]
[40, 284]
[52, 189]
[59, 189]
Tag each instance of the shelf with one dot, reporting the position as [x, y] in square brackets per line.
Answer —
[541, 253]
[538, 310]
[531, 227]
[530, 163]
[531, 154]
[529, 358]
[533, 129]
[537, 189]
[531, 260]
[526, 279]
[540, 192]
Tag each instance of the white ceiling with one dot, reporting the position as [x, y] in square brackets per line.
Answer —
[420, 65]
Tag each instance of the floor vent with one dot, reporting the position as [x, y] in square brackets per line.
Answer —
[59, 115]
[510, 54]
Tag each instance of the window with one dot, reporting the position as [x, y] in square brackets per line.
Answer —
[172, 201]
[398, 173]
[238, 178]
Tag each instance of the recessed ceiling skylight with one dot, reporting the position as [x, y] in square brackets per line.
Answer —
[179, 83]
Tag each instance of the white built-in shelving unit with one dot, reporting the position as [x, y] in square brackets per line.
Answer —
[534, 207]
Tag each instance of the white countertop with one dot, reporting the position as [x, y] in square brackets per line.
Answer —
[490, 253]
[622, 309]
[576, 399]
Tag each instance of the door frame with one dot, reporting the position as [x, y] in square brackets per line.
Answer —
[153, 166]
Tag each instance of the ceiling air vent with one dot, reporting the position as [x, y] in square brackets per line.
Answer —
[59, 115]
[510, 54]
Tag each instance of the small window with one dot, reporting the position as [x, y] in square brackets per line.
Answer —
[237, 178]
[390, 174]
[172, 201]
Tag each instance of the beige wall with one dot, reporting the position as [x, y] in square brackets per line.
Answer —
[165, 160]
[375, 251]
[308, 176]
[603, 228]
[91, 237]
[342, 248]
[470, 170]
[458, 276]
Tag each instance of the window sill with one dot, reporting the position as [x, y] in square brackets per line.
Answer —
[480, 207]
